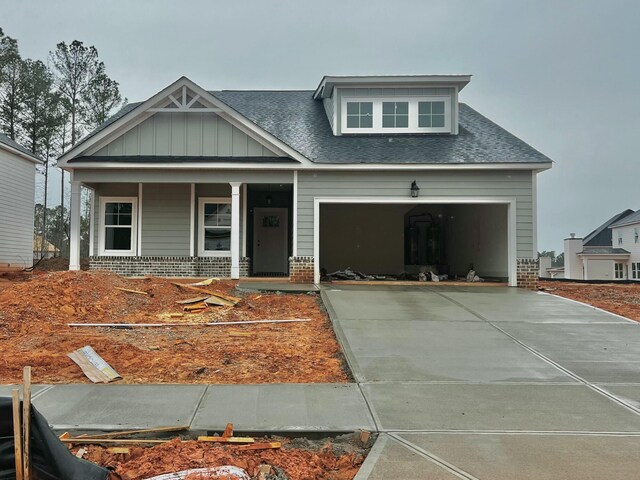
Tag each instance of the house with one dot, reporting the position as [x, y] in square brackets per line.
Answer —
[42, 248]
[382, 174]
[17, 198]
[606, 253]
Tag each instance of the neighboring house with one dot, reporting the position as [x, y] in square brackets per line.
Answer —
[17, 201]
[606, 253]
[42, 249]
[382, 174]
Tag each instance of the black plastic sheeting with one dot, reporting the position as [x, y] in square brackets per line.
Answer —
[50, 458]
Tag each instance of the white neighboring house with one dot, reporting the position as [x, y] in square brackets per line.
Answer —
[610, 252]
[17, 198]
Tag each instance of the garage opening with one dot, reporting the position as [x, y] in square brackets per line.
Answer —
[398, 241]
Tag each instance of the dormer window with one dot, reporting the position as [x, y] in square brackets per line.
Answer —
[359, 114]
[430, 114]
[395, 114]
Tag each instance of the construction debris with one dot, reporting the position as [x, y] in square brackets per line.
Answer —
[227, 472]
[259, 446]
[473, 277]
[189, 301]
[204, 324]
[131, 291]
[227, 439]
[93, 365]
[205, 283]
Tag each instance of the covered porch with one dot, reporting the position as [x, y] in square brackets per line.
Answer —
[228, 229]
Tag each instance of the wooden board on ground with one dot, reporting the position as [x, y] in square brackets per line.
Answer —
[93, 365]
[259, 446]
[189, 301]
[227, 439]
[124, 433]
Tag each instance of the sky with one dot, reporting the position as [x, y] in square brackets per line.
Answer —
[560, 74]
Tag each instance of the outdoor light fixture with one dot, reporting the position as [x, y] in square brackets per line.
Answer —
[415, 189]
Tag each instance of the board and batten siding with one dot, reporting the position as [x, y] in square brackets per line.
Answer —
[185, 134]
[381, 184]
[17, 197]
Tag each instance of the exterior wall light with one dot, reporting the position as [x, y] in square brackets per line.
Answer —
[415, 190]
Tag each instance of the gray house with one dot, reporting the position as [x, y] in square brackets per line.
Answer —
[382, 174]
[17, 197]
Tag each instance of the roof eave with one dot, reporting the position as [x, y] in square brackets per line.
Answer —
[20, 153]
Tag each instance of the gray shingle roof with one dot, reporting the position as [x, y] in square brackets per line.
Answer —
[633, 218]
[298, 120]
[603, 251]
[11, 143]
[179, 159]
[602, 234]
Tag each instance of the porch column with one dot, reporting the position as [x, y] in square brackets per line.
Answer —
[235, 229]
[585, 268]
[74, 240]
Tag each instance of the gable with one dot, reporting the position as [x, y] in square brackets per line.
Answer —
[197, 134]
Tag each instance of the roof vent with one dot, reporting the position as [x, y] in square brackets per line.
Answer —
[572, 235]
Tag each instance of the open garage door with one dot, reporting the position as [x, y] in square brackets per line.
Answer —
[401, 239]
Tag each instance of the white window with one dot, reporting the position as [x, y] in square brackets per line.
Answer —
[619, 270]
[214, 235]
[118, 226]
[359, 114]
[619, 238]
[636, 233]
[635, 271]
[430, 114]
[395, 114]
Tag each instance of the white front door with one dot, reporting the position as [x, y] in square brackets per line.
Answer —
[270, 229]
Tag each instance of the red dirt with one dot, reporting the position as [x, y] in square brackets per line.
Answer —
[33, 331]
[312, 463]
[616, 298]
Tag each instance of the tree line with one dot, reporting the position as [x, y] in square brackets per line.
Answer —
[48, 106]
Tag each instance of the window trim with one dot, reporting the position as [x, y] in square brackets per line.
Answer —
[201, 227]
[615, 271]
[413, 114]
[635, 270]
[132, 252]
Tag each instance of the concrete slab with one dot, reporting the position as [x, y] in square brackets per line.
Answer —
[286, 287]
[405, 406]
[389, 459]
[628, 393]
[284, 408]
[119, 407]
[451, 351]
[393, 303]
[5, 390]
[535, 457]
[597, 353]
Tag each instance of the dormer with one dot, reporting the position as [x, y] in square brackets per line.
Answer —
[392, 104]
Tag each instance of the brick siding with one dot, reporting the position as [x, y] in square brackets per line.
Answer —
[170, 266]
[527, 273]
[301, 269]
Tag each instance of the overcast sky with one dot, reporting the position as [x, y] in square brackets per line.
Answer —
[561, 75]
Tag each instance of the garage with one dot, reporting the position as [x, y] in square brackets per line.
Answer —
[398, 240]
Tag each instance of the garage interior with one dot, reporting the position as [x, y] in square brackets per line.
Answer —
[398, 240]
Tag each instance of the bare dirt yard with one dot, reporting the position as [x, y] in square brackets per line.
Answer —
[35, 311]
[616, 298]
[298, 459]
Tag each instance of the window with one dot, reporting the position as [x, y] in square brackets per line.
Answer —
[619, 270]
[635, 271]
[635, 234]
[359, 114]
[619, 239]
[395, 114]
[118, 226]
[215, 226]
[430, 114]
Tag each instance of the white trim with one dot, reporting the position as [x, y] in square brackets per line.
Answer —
[539, 167]
[92, 222]
[412, 114]
[139, 243]
[245, 211]
[21, 154]
[74, 227]
[511, 202]
[134, 227]
[192, 227]
[184, 110]
[534, 207]
[235, 229]
[201, 251]
[294, 226]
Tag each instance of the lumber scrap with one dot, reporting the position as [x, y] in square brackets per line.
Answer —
[189, 324]
[228, 298]
[197, 306]
[227, 439]
[118, 450]
[218, 302]
[128, 290]
[26, 423]
[93, 365]
[126, 433]
[259, 446]
[80, 453]
[206, 282]
[228, 431]
[189, 301]
[113, 441]
[17, 433]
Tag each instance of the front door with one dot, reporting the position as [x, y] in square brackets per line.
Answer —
[270, 229]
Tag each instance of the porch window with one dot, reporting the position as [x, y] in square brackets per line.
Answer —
[619, 270]
[215, 226]
[635, 271]
[118, 226]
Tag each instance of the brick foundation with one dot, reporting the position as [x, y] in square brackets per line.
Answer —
[169, 266]
[527, 273]
[301, 269]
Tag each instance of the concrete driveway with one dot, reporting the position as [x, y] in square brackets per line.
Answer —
[491, 383]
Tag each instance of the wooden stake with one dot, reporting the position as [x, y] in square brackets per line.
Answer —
[131, 291]
[17, 432]
[26, 421]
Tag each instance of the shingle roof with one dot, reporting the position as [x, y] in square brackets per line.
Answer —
[179, 159]
[602, 234]
[298, 120]
[633, 218]
[15, 145]
[603, 251]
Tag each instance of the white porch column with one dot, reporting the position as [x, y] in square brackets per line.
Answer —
[585, 268]
[235, 229]
[74, 240]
